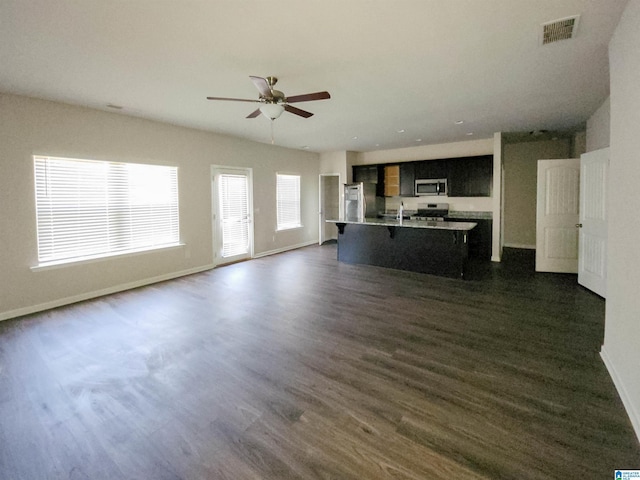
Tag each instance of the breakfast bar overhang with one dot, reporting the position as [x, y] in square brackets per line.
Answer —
[436, 248]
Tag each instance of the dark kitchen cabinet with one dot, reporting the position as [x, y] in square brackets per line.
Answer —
[370, 174]
[365, 174]
[407, 179]
[427, 169]
[479, 237]
[470, 176]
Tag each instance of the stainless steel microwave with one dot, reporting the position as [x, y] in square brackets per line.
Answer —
[431, 187]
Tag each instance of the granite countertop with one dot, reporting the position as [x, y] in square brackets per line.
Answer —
[388, 222]
[470, 215]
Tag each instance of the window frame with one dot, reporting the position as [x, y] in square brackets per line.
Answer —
[282, 225]
[130, 217]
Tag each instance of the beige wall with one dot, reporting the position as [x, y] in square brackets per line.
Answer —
[29, 126]
[520, 191]
[579, 144]
[621, 350]
[334, 162]
[599, 128]
[428, 152]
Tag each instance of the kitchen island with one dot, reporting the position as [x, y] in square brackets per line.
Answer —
[436, 248]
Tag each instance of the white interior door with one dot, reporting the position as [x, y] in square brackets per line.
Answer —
[232, 207]
[557, 215]
[592, 265]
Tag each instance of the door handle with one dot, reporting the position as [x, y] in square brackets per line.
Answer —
[578, 225]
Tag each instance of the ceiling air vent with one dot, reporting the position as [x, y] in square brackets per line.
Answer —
[557, 30]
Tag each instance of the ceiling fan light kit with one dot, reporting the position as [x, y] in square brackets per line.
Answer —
[272, 110]
[274, 102]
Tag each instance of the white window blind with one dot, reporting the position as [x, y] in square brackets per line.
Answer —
[88, 208]
[234, 209]
[288, 201]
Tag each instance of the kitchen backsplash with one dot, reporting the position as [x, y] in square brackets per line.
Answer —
[463, 207]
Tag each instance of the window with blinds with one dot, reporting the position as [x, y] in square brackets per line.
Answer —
[89, 209]
[288, 201]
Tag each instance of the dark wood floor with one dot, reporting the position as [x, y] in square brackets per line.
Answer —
[296, 366]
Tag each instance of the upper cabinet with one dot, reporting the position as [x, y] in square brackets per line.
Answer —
[470, 176]
[370, 174]
[407, 179]
[391, 180]
[428, 169]
[365, 174]
[466, 176]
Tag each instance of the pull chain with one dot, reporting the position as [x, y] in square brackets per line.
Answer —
[272, 132]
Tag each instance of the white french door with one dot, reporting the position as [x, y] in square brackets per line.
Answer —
[232, 219]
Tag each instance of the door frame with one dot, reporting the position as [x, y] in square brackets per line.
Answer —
[216, 226]
[321, 216]
[562, 221]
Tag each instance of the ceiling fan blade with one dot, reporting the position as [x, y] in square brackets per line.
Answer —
[254, 114]
[233, 99]
[308, 97]
[297, 111]
[262, 85]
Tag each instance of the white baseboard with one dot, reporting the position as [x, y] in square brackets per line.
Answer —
[519, 245]
[128, 286]
[285, 249]
[622, 391]
[99, 293]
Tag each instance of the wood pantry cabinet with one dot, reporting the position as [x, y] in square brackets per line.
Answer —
[391, 180]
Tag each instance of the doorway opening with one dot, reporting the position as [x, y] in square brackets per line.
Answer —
[330, 207]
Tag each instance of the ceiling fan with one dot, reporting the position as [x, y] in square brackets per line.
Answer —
[273, 102]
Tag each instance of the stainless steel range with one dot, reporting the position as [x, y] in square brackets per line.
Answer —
[431, 212]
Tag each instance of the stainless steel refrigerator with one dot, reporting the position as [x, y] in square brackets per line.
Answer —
[360, 201]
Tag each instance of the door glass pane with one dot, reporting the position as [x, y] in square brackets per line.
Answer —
[234, 214]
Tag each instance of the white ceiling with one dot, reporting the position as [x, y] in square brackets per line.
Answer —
[412, 65]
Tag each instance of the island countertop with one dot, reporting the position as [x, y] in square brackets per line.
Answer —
[388, 222]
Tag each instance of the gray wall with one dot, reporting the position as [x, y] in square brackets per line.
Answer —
[520, 187]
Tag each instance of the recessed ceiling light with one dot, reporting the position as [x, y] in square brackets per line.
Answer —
[305, 147]
[354, 138]
[377, 144]
[115, 107]
[469, 133]
[459, 122]
[418, 139]
[401, 130]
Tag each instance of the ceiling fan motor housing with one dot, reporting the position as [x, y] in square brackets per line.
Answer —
[276, 97]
